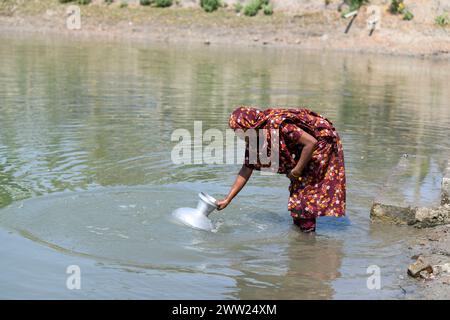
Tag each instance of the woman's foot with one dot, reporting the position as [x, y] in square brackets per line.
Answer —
[306, 225]
[311, 230]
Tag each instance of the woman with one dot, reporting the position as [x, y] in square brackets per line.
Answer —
[310, 154]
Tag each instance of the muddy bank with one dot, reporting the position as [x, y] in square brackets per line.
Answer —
[309, 27]
[430, 263]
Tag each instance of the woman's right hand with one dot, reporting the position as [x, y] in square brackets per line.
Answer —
[222, 204]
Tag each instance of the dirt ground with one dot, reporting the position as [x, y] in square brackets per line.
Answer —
[312, 27]
[434, 248]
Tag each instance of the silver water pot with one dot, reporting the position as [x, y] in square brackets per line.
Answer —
[198, 218]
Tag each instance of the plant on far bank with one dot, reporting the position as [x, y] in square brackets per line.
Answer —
[238, 7]
[252, 8]
[82, 2]
[210, 5]
[145, 2]
[163, 3]
[442, 20]
[108, 2]
[355, 4]
[123, 4]
[268, 9]
[398, 7]
[407, 15]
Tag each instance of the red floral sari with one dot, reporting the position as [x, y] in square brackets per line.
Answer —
[320, 191]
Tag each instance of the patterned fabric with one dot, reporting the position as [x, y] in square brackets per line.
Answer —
[306, 225]
[320, 191]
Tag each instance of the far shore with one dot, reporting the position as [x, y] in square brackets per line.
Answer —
[319, 30]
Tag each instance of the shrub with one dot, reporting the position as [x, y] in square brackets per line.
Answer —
[163, 3]
[407, 15]
[252, 8]
[355, 4]
[108, 2]
[123, 4]
[397, 6]
[237, 7]
[65, 1]
[145, 2]
[210, 5]
[268, 9]
[443, 20]
[84, 1]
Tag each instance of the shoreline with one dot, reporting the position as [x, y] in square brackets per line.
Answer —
[431, 251]
[310, 31]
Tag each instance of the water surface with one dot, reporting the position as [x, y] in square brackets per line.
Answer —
[86, 176]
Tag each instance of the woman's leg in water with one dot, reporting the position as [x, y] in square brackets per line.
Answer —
[305, 224]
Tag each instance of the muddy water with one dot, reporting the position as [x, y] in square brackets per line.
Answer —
[86, 176]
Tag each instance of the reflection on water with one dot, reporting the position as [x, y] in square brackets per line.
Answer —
[79, 117]
[293, 270]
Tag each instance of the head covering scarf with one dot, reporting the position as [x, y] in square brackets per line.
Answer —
[245, 117]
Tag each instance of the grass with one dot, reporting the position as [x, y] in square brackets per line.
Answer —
[210, 5]
[442, 20]
[163, 3]
[267, 9]
[407, 15]
[355, 4]
[238, 7]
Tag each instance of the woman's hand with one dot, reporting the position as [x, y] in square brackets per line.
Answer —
[294, 174]
[222, 204]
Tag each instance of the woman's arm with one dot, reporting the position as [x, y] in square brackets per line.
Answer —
[239, 183]
[309, 143]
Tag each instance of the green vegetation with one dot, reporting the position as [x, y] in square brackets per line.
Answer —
[163, 3]
[355, 4]
[408, 15]
[156, 3]
[398, 7]
[268, 9]
[252, 8]
[210, 5]
[108, 2]
[442, 20]
[123, 4]
[352, 6]
[238, 7]
[77, 1]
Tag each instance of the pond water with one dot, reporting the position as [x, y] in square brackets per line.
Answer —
[86, 176]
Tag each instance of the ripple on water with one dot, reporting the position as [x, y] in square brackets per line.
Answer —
[133, 226]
